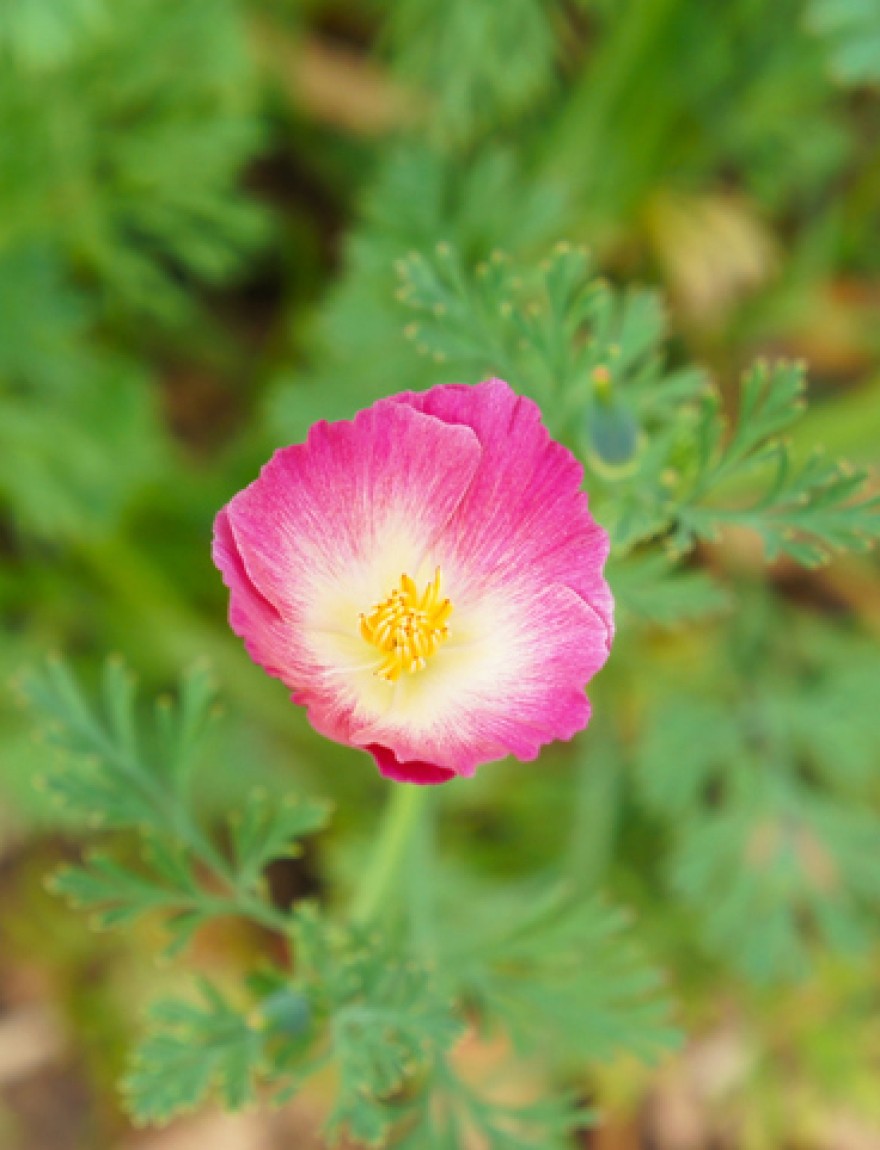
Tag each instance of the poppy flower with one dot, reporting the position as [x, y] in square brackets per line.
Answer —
[426, 579]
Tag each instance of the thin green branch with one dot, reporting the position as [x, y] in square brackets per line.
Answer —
[389, 858]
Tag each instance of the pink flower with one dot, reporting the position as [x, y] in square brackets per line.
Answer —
[426, 579]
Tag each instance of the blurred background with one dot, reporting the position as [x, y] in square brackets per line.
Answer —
[201, 206]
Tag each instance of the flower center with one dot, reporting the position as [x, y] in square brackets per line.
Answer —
[408, 628]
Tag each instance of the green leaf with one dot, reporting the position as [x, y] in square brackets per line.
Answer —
[109, 773]
[805, 511]
[851, 31]
[760, 769]
[478, 62]
[40, 35]
[388, 1019]
[654, 443]
[650, 586]
[195, 1050]
[787, 859]
[142, 115]
[564, 972]
[181, 727]
[356, 348]
[54, 375]
[268, 828]
[440, 1118]
[561, 334]
[118, 772]
[120, 895]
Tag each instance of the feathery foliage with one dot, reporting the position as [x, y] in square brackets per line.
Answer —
[193, 1049]
[766, 794]
[114, 774]
[123, 154]
[719, 819]
[851, 29]
[478, 63]
[653, 442]
[526, 969]
[57, 387]
[40, 35]
[355, 998]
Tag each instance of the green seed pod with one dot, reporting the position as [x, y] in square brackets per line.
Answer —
[613, 435]
[285, 1011]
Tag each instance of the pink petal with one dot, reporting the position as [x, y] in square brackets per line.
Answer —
[525, 513]
[251, 616]
[413, 771]
[321, 512]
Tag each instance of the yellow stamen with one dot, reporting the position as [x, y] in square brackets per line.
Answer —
[407, 628]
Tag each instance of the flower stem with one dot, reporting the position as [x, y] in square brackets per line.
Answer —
[596, 810]
[421, 909]
[402, 816]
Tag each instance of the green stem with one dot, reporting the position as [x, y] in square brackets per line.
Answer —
[402, 815]
[596, 812]
[248, 907]
[420, 884]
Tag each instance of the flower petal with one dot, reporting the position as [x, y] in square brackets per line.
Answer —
[525, 512]
[251, 616]
[328, 528]
[413, 771]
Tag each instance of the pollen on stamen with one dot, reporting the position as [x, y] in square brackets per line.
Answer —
[407, 628]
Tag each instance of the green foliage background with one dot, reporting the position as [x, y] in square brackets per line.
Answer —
[644, 214]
